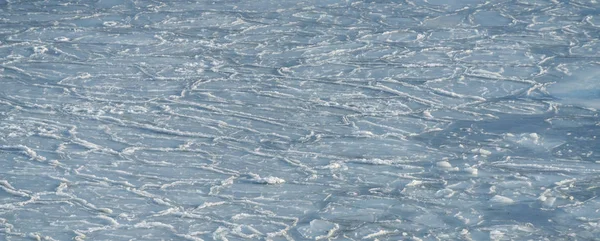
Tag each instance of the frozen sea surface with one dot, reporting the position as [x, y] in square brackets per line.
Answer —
[299, 120]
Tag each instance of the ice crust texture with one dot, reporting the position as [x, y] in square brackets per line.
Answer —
[299, 120]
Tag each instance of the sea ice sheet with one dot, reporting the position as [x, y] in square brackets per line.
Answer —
[299, 120]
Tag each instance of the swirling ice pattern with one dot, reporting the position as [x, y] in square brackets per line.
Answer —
[299, 120]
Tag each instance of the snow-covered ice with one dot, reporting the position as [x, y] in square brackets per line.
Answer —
[299, 120]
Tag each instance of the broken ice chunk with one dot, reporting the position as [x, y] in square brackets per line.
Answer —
[501, 200]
